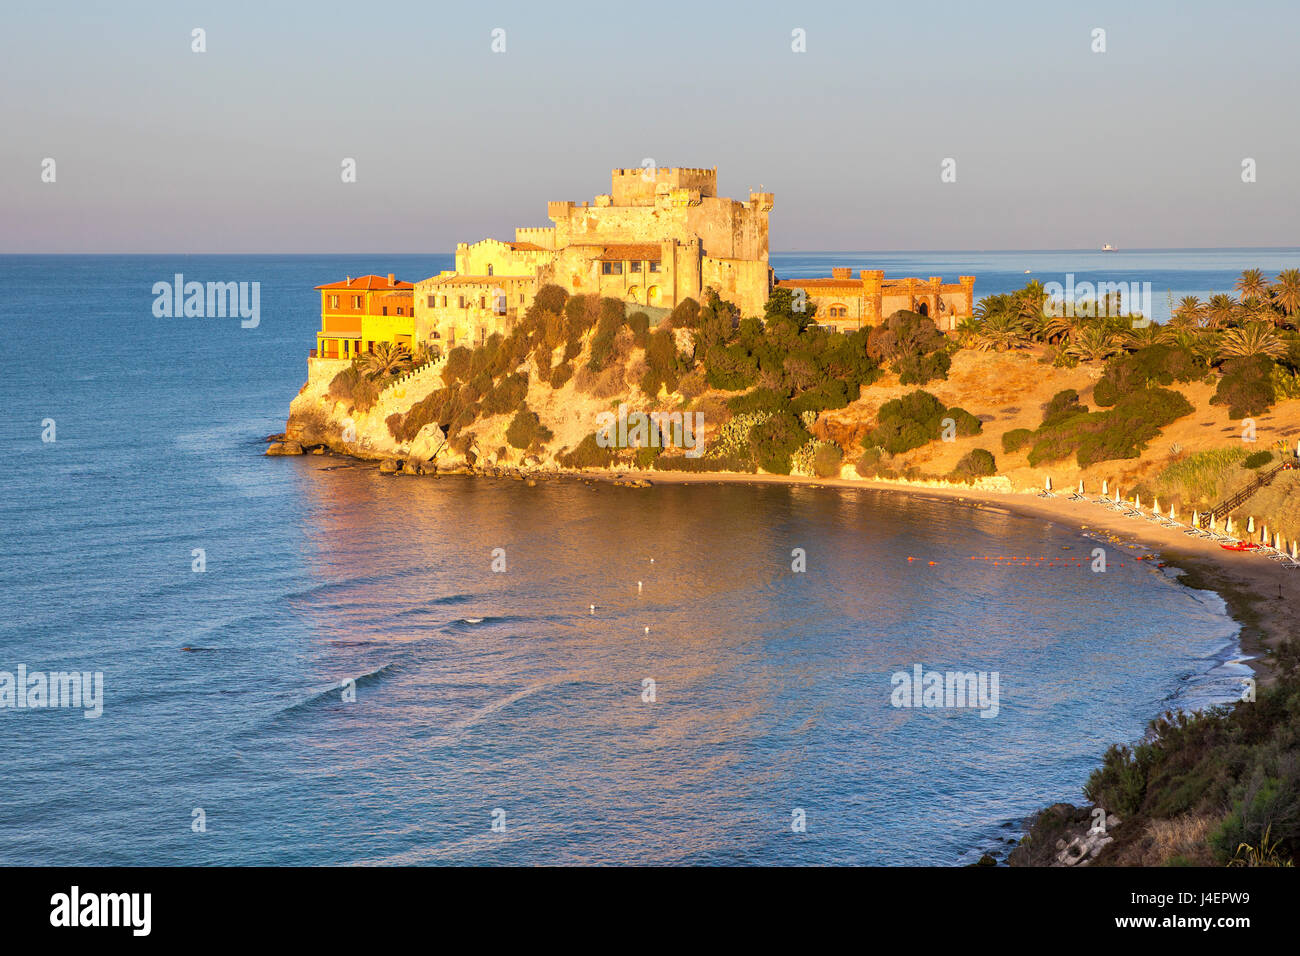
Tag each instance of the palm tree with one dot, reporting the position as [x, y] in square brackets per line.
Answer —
[1252, 285]
[1189, 313]
[1142, 336]
[1286, 291]
[1253, 339]
[1221, 311]
[388, 358]
[1094, 343]
[1001, 331]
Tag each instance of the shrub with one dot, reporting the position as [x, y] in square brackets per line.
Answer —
[661, 363]
[966, 423]
[827, 460]
[506, 395]
[588, 454]
[759, 400]
[1246, 386]
[686, 315]
[976, 463]
[1063, 405]
[458, 366]
[550, 298]
[1151, 366]
[561, 374]
[639, 323]
[352, 386]
[916, 369]
[1258, 459]
[906, 423]
[775, 439]
[526, 428]
[1016, 439]
[869, 463]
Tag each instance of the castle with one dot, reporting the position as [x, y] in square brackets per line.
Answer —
[658, 237]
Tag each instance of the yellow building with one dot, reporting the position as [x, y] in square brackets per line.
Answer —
[846, 302]
[357, 313]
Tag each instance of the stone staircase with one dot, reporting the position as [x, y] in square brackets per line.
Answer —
[424, 374]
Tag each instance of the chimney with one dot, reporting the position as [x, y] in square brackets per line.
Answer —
[349, 280]
[391, 279]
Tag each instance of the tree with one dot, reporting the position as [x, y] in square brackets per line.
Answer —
[388, 358]
[1189, 314]
[1253, 339]
[1095, 343]
[1286, 291]
[1252, 285]
[1221, 311]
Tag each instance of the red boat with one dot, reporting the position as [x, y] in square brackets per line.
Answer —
[1240, 546]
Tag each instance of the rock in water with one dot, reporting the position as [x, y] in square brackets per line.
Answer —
[284, 448]
[390, 466]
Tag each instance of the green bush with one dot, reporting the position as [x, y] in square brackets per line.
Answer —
[1016, 439]
[561, 374]
[905, 423]
[506, 395]
[759, 400]
[457, 367]
[352, 386]
[966, 423]
[1258, 459]
[916, 369]
[526, 428]
[773, 441]
[1122, 432]
[827, 460]
[1148, 367]
[1063, 405]
[588, 454]
[976, 463]
[1246, 386]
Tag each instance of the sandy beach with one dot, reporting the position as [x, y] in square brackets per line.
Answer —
[1249, 584]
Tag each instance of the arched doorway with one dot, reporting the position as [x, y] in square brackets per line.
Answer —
[634, 293]
[653, 295]
[923, 308]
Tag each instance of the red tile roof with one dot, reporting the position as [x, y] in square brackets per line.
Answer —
[527, 247]
[368, 284]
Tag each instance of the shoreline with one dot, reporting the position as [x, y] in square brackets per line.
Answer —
[1248, 585]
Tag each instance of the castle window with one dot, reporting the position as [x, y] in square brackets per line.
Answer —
[654, 267]
[385, 310]
[431, 298]
[444, 302]
[489, 270]
[399, 310]
[636, 266]
[461, 301]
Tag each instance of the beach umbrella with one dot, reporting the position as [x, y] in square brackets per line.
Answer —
[1250, 525]
[1116, 496]
[1214, 521]
[1173, 515]
[1081, 487]
[1263, 535]
[1137, 502]
[1196, 518]
[1277, 541]
[1105, 491]
[1227, 526]
[1047, 486]
[1155, 506]
[1295, 550]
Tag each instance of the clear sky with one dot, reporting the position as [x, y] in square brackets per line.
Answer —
[239, 149]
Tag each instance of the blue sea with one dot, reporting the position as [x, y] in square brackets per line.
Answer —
[347, 680]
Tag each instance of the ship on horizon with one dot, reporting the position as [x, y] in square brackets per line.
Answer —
[1109, 248]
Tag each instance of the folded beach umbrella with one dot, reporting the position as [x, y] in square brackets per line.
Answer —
[1196, 518]
[1105, 491]
[1047, 485]
[1227, 525]
[1080, 486]
[1250, 525]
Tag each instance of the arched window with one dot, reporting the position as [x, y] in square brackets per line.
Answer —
[489, 269]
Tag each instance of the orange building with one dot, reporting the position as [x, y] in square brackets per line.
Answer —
[357, 313]
[846, 302]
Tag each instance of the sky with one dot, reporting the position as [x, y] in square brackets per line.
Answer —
[240, 148]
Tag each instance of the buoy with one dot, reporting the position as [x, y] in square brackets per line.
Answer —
[932, 563]
[593, 609]
[911, 559]
[647, 630]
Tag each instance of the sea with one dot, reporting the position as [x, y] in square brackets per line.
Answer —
[302, 661]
